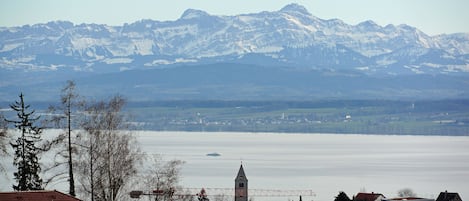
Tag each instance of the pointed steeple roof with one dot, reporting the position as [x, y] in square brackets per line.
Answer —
[241, 173]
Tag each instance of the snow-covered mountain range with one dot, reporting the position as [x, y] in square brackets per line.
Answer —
[288, 37]
[287, 54]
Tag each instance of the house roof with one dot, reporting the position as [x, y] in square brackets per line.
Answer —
[445, 196]
[43, 195]
[367, 196]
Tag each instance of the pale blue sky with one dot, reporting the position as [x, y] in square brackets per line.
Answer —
[431, 16]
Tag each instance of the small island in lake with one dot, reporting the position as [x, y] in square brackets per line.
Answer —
[214, 154]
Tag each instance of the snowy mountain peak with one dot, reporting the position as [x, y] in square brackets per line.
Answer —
[295, 8]
[290, 36]
[368, 23]
[193, 14]
[61, 24]
[407, 27]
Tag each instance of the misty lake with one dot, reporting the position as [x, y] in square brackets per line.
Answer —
[324, 163]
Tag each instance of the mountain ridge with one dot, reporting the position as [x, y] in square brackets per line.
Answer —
[197, 35]
[289, 41]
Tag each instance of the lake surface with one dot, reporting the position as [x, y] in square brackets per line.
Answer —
[325, 163]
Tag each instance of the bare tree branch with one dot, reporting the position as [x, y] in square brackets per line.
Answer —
[4, 138]
[109, 155]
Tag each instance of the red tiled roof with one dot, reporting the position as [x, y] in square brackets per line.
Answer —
[367, 196]
[36, 196]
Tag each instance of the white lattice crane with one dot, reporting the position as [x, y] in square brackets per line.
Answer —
[230, 192]
[240, 192]
[254, 192]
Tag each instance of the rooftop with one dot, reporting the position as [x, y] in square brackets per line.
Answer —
[40, 195]
[367, 196]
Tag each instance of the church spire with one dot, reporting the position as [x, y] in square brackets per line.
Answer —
[241, 185]
[241, 173]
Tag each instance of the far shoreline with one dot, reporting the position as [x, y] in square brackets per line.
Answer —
[297, 133]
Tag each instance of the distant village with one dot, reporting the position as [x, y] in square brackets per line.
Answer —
[375, 117]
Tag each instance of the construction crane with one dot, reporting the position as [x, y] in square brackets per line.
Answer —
[255, 192]
[204, 192]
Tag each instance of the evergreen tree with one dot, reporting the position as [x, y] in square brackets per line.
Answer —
[342, 197]
[26, 151]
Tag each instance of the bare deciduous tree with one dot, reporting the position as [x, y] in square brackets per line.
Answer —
[70, 101]
[160, 178]
[163, 176]
[221, 197]
[110, 154]
[3, 141]
[406, 192]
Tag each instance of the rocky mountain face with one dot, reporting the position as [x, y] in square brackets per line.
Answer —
[291, 36]
[290, 39]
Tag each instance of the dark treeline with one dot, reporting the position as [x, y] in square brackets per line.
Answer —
[459, 104]
[420, 105]
[422, 117]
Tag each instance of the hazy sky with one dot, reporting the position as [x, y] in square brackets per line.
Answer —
[431, 16]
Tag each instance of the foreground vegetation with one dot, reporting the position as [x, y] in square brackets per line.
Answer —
[95, 152]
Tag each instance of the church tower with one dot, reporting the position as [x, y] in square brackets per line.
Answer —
[241, 185]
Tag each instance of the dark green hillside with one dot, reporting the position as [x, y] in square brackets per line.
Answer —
[448, 117]
[226, 81]
[250, 82]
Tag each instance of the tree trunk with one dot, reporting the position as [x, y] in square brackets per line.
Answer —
[70, 162]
